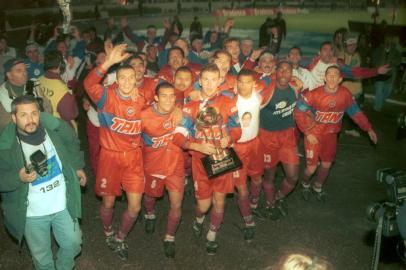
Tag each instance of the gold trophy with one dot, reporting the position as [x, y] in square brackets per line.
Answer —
[224, 160]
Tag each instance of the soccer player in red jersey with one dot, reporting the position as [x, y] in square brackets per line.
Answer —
[163, 163]
[183, 84]
[210, 191]
[319, 116]
[176, 59]
[120, 164]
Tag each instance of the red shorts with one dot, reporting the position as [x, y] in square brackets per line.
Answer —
[251, 155]
[204, 187]
[279, 146]
[119, 170]
[154, 185]
[325, 150]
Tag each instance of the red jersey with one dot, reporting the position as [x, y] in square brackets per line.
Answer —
[120, 117]
[182, 96]
[225, 104]
[161, 155]
[319, 112]
[167, 74]
[147, 89]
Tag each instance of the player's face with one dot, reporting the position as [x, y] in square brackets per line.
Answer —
[246, 47]
[350, 48]
[245, 85]
[283, 75]
[267, 64]
[333, 78]
[294, 56]
[126, 80]
[223, 62]
[18, 75]
[176, 59]
[101, 57]
[62, 48]
[183, 80]
[166, 100]
[209, 80]
[233, 48]
[197, 45]
[139, 68]
[26, 117]
[326, 53]
[151, 33]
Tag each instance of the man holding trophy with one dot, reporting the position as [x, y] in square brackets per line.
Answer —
[212, 126]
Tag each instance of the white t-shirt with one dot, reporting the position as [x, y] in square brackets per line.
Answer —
[47, 194]
[309, 81]
[248, 113]
[319, 73]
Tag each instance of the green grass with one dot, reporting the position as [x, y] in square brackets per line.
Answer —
[323, 22]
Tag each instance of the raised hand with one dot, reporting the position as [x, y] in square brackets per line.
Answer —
[116, 55]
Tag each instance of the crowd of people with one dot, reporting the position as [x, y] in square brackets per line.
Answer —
[143, 96]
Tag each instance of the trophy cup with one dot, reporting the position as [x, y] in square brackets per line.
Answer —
[224, 160]
[67, 16]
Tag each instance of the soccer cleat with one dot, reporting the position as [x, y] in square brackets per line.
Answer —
[150, 225]
[320, 196]
[259, 213]
[121, 250]
[306, 193]
[273, 213]
[211, 247]
[281, 206]
[249, 233]
[197, 228]
[111, 241]
[169, 249]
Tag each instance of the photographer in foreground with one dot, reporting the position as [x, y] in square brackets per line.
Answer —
[41, 167]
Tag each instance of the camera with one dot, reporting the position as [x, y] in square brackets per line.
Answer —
[39, 163]
[388, 211]
[395, 181]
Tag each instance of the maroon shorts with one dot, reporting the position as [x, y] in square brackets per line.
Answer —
[279, 146]
[325, 149]
[119, 170]
[250, 153]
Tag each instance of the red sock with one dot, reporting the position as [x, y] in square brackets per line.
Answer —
[106, 215]
[269, 191]
[126, 224]
[255, 191]
[245, 210]
[173, 222]
[215, 220]
[149, 204]
[286, 187]
[321, 176]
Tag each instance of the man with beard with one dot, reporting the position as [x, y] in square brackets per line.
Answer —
[41, 167]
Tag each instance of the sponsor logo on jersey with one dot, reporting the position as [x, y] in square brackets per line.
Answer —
[161, 141]
[329, 117]
[332, 104]
[124, 126]
[130, 111]
[167, 124]
[281, 105]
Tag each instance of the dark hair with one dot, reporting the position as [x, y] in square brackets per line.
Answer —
[24, 99]
[183, 69]
[218, 52]
[326, 43]
[176, 48]
[123, 67]
[296, 48]
[245, 72]
[229, 40]
[151, 26]
[283, 62]
[333, 67]
[209, 68]
[54, 59]
[162, 85]
[136, 56]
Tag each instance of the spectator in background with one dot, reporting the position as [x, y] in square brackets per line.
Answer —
[247, 45]
[197, 50]
[280, 22]
[113, 32]
[338, 42]
[152, 60]
[196, 28]
[6, 53]
[34, 61]
[386, 53]
[264, 33]
[176, 25]
[55, 89]
[275, 41]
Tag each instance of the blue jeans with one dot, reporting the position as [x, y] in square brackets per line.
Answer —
[383, 89]
[67, 234]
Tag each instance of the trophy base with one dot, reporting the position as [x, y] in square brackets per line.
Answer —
[215, 168]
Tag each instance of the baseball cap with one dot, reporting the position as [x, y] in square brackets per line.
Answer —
[9, 64]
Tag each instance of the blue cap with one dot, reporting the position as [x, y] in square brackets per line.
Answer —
[9, 64]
